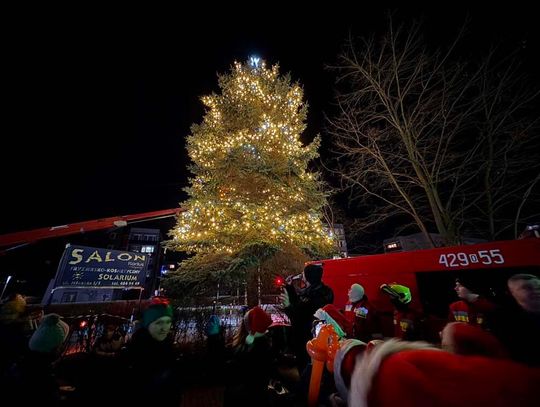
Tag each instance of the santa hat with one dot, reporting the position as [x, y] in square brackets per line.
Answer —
[50, 335]
[415, 375]
[356, 293]
[329, 314]
[313, 273]
[257, 321]
[466, 339]
[156, 311]
[159, 299]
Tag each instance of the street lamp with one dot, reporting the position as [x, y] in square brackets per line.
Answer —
[5, 286]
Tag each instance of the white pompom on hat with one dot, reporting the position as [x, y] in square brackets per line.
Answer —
[257, 321]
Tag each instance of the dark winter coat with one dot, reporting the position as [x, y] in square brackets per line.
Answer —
[32, 381]
[519, 331]
[303, 305]
[152, 366]
[250, 372]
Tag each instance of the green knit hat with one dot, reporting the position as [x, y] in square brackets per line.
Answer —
[156, 311]
[397, 292]
[50, 335]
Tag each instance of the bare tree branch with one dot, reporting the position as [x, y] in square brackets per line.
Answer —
[436, 139]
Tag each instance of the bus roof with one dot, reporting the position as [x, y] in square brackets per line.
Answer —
[497, 254]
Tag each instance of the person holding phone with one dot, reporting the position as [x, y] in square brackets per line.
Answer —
[300, 305]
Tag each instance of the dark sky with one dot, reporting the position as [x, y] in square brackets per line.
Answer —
[97, 105]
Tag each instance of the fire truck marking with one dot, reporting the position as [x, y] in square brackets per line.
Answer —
[463, 260]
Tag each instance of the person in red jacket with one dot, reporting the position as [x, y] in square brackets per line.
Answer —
[407, 321]
[361, 315]
[471, 307]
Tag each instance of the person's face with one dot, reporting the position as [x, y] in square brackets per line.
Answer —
[349, 293]
[160, 328]
[109, 332]
[462, 291]
[526, 293]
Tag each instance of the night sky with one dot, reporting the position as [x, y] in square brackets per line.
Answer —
[97, 105]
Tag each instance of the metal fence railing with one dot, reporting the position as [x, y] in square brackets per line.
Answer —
[192, 322]
[189, 329]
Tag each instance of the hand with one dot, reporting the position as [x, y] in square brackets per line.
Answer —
[284, 298]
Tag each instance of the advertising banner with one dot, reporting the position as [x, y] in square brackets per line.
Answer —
[93, 267]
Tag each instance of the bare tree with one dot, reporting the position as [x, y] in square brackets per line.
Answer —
[510, 151]
[407, 133]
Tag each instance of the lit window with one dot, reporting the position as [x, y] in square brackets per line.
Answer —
[392, 246]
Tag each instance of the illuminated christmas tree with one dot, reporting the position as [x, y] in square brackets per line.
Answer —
[251, 187]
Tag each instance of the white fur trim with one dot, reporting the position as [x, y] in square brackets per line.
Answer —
[320, 314]
[345, 346]
[368, 364]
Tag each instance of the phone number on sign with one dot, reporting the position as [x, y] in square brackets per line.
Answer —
[465, 259]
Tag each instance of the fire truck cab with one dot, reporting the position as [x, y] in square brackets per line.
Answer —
[430, 275]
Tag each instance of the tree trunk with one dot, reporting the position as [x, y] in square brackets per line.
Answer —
[252, 287]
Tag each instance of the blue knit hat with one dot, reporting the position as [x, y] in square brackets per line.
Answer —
[214, 325]
[50, 335]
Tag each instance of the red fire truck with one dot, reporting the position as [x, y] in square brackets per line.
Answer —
[431, 274]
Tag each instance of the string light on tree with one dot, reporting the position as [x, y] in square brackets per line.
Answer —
[254, 61]
[250, 168]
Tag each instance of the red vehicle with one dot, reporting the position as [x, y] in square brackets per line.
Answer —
[430, 274]
[31, 236]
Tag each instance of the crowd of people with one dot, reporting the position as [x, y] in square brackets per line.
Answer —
[482, 345]
[34, 371]
[488, 353]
